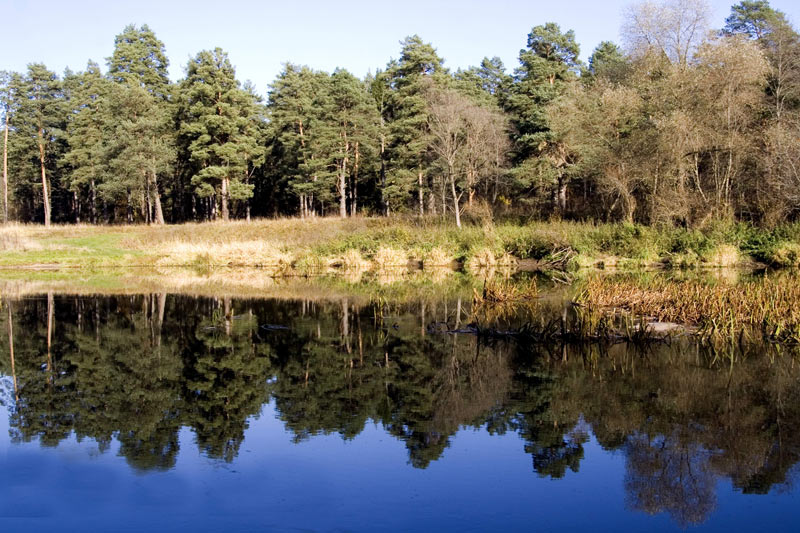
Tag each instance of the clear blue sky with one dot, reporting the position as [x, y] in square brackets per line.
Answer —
[260, 35]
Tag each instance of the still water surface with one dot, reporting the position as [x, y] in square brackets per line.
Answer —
[165, 412]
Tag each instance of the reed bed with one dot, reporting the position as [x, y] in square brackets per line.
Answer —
[766, 306]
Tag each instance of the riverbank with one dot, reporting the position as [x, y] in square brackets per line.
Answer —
[308, 247]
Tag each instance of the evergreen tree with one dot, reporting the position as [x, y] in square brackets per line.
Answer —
[754, 18]
[38, 123]
[141, 146]
[410, 77]
[142, 136]
[87, 128]
[220, 128]
[547, 66]
[380, 90]
[295, 100]
[140, 58]
[347, 130]
[488, 82]
[8, 102]
[608, 61]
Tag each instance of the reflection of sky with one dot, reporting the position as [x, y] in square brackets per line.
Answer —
[481, 482]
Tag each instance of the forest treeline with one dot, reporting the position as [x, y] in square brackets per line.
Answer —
[678, 125]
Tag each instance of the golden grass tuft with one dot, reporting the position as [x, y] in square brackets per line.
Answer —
[234, 253]
[482, 260]
[14, 238]
[387, 257]
[352, 260]
[438, 256]
[724, 255]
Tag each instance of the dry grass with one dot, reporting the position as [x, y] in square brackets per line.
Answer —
[438, 256]
[234, 253]
[387, 257]
[15, 238]
[767, 305]
[724, 255]
[352, 261]
[505, 291]
[482, 259]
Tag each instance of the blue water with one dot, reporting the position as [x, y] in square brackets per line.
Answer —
[367, 428]
[481, 483]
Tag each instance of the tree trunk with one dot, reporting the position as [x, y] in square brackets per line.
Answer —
[224, 194]
[561, 196]
[421, 194]
[342, 193]
[456, 209]
[5, 171]
[93, 194]
[129, 208]
[159, 212]
[354, 188]
[384, 203]
[145, 207]
[343, 180]
[45, 191]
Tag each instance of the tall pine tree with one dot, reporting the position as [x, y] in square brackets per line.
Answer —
[220, 126]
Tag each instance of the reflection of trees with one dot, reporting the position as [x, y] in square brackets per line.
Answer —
[666, 474]
[338, 369]
[138, 368]
[224, 380]
[683, 418]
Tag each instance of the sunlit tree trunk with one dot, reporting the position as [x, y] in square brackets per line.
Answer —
[224, 199]
[159, 212]
[421, 194]
[456, 197]
[45, 188]
[129, 208]
[354, 188]
[5, 170]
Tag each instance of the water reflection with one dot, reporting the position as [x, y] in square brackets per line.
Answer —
[139, 368]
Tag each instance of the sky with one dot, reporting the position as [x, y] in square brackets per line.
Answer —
[259, 36]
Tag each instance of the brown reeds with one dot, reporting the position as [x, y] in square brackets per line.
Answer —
[765, 305]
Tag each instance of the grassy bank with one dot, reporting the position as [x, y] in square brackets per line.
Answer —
[292, 246]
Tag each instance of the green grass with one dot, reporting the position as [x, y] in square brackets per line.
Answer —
[95, 249]
[299, 246]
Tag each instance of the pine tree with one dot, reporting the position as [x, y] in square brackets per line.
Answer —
[140, 147]
[609, 62]
[418, 67]
[547, 66]
[141, 134]
[139, 58]
[347, 127]
[87, 127]
[8, 102]
[380, 90]
[295, 102]
[39, 121]
[220, 125]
